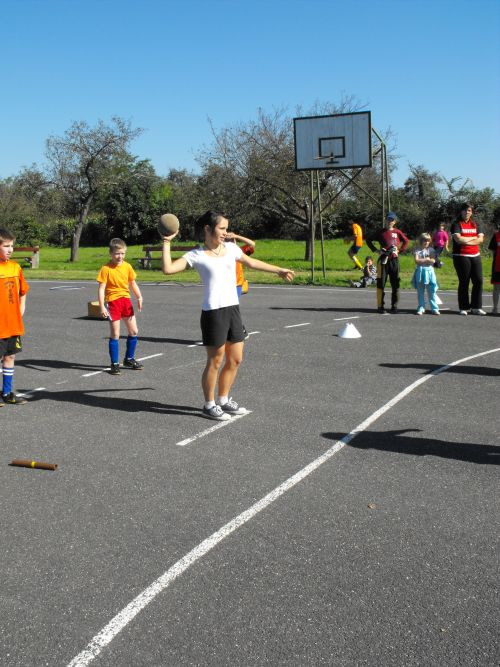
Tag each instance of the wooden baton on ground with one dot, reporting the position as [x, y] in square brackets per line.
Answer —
[26, 463]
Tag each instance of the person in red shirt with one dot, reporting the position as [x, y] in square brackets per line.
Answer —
[467, 237]
[392, 241]
[13, 290]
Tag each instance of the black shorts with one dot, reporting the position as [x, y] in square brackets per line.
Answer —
[221, 325]
[9, 346]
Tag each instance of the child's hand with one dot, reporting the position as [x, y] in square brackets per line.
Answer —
[231, 236]
[287, 275]
[104, 314]
[139, 303]
[172, 236]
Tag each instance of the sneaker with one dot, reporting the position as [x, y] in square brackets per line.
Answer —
[115, 369]
[478, 311]
[12, 399]
[462, 312]
[394, 309]
[133, 364]
[215, 412]
[381, 310]
[436, 312]
[421, 311]
[232, 408]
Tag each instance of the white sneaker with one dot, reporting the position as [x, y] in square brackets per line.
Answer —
[436, 312]
[215, 412]
[462, 312]
[421, 311]
[232, 408]
[478, 311]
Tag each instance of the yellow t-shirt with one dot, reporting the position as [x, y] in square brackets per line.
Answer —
[12, 287]
[357, 232]
[117, 279]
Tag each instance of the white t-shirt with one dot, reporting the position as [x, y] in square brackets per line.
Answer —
[218, 275]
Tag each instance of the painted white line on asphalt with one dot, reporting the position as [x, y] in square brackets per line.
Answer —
[341, 319]
[207, 431]
[123, 618]
[252, 333]
[196, 344]
[63, 382]
[30, 392]
[66, 288]
[291, 326]
[104, 370]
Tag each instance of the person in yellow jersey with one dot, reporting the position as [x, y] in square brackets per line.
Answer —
[116, 280]
[357, 235]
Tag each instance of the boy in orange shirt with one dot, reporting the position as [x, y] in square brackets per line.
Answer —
[13, 290]
[357, 236]
[116, 280]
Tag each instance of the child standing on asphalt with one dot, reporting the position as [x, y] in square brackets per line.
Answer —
[13, 290]
[424, 277]
[116, 280]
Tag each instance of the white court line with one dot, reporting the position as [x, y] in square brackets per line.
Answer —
[66, 288]
[252, 333]
[341, 319]
[103, 370]
[31, 392]
[207, 431]
[196, 344]
[291, 326]
[123, 618]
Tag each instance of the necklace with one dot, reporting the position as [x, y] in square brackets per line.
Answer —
[217, 254]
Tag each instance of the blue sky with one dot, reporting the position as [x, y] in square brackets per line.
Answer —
[429, 70]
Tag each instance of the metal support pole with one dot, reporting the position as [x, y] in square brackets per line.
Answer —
[387, 184]
[321, 226]
[312, 226]
[382, 174]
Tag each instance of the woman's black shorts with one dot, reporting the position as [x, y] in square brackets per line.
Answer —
[221, 325]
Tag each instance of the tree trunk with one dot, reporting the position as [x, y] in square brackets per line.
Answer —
[77, 233]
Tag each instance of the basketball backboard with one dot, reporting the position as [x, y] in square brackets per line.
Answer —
[339, 141]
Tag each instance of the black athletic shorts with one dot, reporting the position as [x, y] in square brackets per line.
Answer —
[9, 346]
[221, 325]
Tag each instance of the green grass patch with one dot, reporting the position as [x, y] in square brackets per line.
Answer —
[55, 265]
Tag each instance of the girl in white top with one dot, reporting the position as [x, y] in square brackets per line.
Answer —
[424, 277]
[221, 325]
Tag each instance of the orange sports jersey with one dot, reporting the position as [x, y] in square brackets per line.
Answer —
[357, 232]
[117, 279]
[12, 287]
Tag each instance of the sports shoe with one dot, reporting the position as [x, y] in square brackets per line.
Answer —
[478, 311]
[133, 364]
[436, 312]
[462, 312]
[115, 369]
[215, 412]
[394, 309]
[232, 408]
[12, 399]
[381, 310]
[421, 311]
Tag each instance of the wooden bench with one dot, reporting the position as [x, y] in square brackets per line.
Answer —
[146, 262]
[33, 260]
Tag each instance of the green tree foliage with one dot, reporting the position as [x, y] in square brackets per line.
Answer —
[82, 162]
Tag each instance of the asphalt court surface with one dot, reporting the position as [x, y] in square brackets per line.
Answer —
[386, 553]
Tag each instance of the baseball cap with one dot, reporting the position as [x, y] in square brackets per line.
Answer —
[392, 216]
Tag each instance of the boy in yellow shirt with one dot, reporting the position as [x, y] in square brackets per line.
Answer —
[357, 236]
[116, 280]
[13, 289]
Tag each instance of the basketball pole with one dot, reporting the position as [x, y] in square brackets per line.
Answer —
[320, 214]
[312, 225]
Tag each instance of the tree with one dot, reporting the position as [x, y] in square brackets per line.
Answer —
[81, 164]
[252, 166]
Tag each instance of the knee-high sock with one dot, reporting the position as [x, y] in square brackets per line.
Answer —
[380, 297]
[8, 379]
[114, 350]
[357, 262]
[131, 345]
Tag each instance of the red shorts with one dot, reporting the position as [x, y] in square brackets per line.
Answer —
[120, 308]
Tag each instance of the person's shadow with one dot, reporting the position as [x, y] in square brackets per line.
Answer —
[95, 399]
[399, 443]
[467, 370]
[44, 365]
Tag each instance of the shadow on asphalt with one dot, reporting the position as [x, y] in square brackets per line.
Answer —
[44, 365]
[95, 399]
[467, 370]
[399, 443]
[343, 309]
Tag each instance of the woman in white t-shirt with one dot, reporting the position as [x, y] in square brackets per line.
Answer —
[221, 326]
